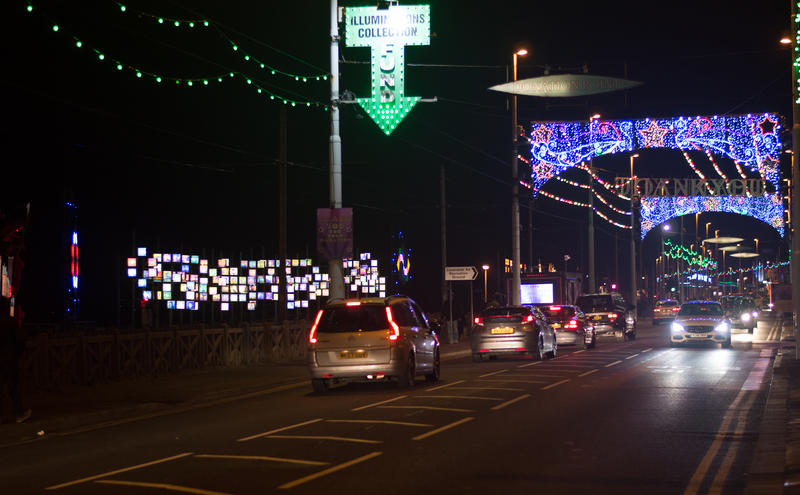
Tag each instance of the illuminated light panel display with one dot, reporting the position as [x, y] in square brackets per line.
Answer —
[659, 209]
[184, 281]
[750, 140]
[387, 32]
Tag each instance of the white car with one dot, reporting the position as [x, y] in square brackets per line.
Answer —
[700, 321]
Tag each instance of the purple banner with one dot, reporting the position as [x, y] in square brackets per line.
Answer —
[335, 233]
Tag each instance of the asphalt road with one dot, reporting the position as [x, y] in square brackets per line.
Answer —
[626, 417]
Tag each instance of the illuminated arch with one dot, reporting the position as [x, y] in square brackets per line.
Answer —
[750, 140]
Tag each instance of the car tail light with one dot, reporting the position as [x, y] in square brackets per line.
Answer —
[613, 316]
[555, 308]
[395, 329]
[478, 321]
[353, 303]
[312, 335]
[529, 319]
[571, 324]
[657, 310]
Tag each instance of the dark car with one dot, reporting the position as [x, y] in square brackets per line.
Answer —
[610, 315]
[741, 311]
[512, 330]
[570, 324]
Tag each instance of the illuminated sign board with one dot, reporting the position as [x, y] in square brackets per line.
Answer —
[542, 293]
[387, 32]
[692, 187]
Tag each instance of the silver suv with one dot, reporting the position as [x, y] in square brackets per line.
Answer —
[372, 339]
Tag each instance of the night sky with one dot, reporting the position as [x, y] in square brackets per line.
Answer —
[194, 169]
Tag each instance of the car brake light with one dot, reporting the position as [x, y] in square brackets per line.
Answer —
[555, 308]
[613, 316]
[572, 324]
[312, 335]
[479, 320]
[353, 303]
[395, 329]
[529, 319]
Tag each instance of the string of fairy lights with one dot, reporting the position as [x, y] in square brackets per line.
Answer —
[728, 272]
[102, 56]
[689, 255]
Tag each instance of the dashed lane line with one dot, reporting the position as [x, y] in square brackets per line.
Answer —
[324, 437]
[427, 408]
[530, 364]
[612, 364]
[443, 428]
[507, 389]
[556, 384]
[278, 430]
[118, 471]
[647, 350]
[378, 421]
[444, 386]
[492, 373]
[470, 397]
[328, 471]
[509, 402]
[378, 403]
[163, 486]
[632, 356]
[511, 380]
[588, 372]
[262, 458]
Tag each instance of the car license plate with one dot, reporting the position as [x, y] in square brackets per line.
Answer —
[502, 330]
[699, 335]
[556, 325]
[353, 354]
[598, 317]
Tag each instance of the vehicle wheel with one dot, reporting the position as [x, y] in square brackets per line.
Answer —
[320, 385]
[434, 375]
[594, 341]
[407, 378]
[727, 343]
[538, 351]
[552, 354]
[631, 335]
[477, 357]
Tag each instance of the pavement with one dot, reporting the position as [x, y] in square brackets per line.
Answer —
[775, 467]
[84, 408]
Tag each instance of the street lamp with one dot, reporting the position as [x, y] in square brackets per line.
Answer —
[664, 264]
[634, 199]
[485, 295]
[515, 261]
[707, 224]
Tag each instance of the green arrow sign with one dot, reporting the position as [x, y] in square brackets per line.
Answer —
[387, 32]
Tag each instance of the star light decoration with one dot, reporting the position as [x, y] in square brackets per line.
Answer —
[659, 209]
[749, 140]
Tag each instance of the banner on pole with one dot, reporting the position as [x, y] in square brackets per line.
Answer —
[335, 233]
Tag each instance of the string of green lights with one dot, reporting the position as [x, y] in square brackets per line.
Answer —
[191, 23]
[676, 251]
[121, 66]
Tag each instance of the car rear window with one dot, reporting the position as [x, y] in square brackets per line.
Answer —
[591, 304]
[507, 312]
[366, 317]
[700, 310]
[558, 311]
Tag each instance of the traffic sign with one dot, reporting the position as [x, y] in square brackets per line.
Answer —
[460, 273]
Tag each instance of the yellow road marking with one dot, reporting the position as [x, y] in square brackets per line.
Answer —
[117, 471]
[163, 486]
[270, 432]
[443, 386]
[378, 403]
[443, 428]
[428, 408]
[324, 437]
[589, 372]
[492, 373]
[733, 449]
[377, 421]
[262, 458]
[509, 402]
[556, 384]
[328, 471]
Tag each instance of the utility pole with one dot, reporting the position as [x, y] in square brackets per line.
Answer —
[794, 193]
[335, 151]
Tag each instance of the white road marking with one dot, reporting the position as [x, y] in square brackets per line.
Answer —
[323, 437]
[263, 458]
[647, 350]
[530, 364]
[270, 432]
[612, 364]
[491, 388]
[330, 470]
[511, 380]
[443, 428]
[427, 408]
[589, 372]
[473, 397]
[556, 384]
[378, 403]
[163, 486]
[443, 386]
[493, 373]
[377, 421]
[632, 356]
[509, 402]
[117, 471]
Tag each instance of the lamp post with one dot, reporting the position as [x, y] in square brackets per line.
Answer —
[794, 193]
[664, 263]
[707, 225]
[592, 285]
[634, 205]
[485, 293]
[515, 255]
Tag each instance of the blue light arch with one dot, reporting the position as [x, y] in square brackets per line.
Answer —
[752, 141]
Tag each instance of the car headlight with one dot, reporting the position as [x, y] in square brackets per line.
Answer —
[677, 328]
[746, 316]
[755, 314]
[722, 328]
